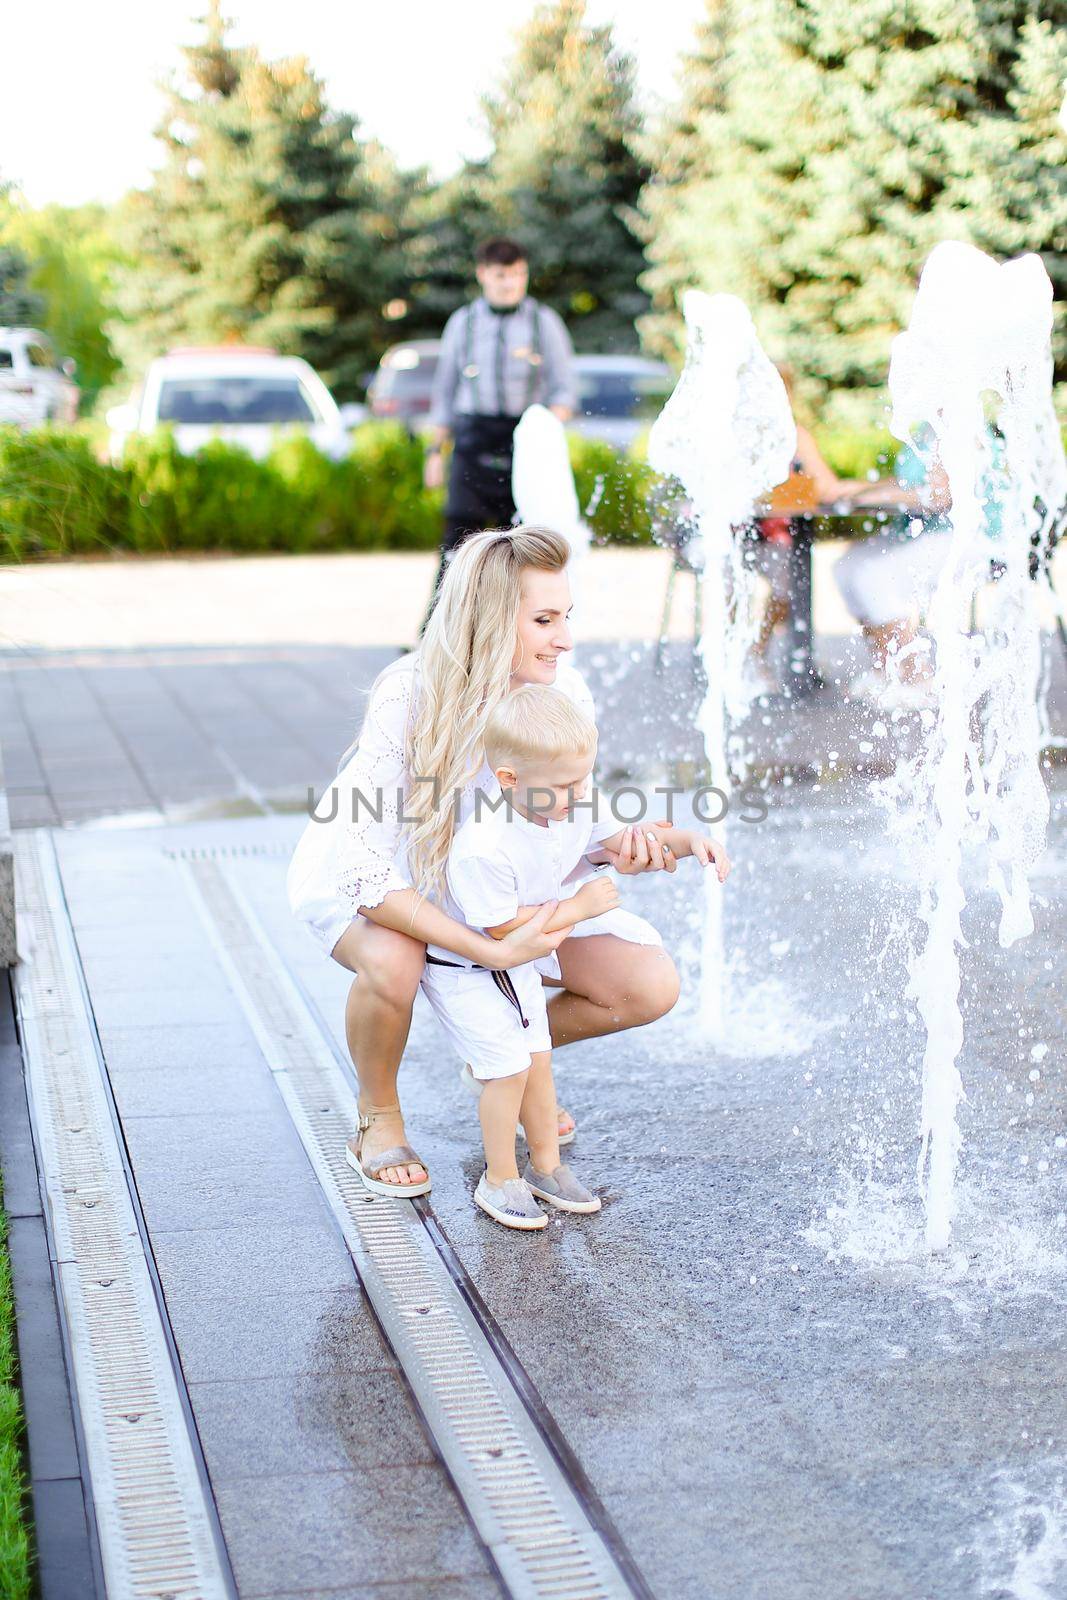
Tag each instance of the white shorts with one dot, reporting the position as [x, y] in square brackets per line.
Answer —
[623, 924]
[886, 578]
[482, 1023]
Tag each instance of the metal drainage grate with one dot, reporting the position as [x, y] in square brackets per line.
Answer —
[521, 1503]
[218, 852]
[155, 1531]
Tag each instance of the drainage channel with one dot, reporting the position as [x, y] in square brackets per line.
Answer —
[531, 1516]
[157, 1529]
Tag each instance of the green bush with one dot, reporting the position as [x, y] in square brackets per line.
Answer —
[58, 499]
[612, 491]
[857, 452]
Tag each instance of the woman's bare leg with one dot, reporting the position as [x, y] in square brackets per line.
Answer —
[611, 984]
[890, 639]
[775, 615]
[377, 1019]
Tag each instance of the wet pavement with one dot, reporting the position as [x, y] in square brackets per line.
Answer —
[227, 730]
[772, 1391]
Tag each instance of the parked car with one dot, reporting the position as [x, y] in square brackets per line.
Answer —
[241, 393]
[402, 387]
[617, 395]
[35, 386]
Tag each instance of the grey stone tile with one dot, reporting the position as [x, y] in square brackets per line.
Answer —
[228, 1196]
[955, 1412]
[141, 1048]
[33, 811]
[737, 1428]
[334, 1421]
[163, 1007]
[251, 1259]
[471, 1587]
[317, 1532]
[222, 1088]
[750, 1535]
[311, 1330]
[195, 970]
[191, 1147]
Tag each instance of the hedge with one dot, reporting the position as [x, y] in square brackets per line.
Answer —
[58, 499]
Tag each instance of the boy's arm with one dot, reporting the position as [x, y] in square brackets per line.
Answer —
[590, 901]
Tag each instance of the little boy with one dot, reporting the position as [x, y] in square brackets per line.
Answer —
[504, 864]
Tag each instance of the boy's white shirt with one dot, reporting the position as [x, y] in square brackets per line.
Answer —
[500, 861]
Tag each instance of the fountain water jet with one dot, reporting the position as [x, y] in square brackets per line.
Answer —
[542, 485]
[727, 434]
[979, 339]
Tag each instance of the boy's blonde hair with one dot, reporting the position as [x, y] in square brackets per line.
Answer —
[536, 723]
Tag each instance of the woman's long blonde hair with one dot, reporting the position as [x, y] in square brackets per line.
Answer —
[465, 667]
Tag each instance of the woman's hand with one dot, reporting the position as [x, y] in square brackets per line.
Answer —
[640, 851]
[530, 942]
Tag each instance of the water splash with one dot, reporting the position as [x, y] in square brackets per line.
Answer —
[971, 384]
[727, 435]
[542, 486]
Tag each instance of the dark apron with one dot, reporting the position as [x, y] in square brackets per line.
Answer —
[479, 484]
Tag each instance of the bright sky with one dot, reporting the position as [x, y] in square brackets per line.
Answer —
[80, 100]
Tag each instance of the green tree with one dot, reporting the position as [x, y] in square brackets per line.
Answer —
[442, 224]
[844, 139]
[564, 175]
[19, 304]
[266, 221]
[71, 257]
[678, 153]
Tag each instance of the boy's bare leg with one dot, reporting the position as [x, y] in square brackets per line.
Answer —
[498, 1110]
[540, 1114]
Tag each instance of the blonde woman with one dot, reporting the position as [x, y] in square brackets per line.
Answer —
[501, 621]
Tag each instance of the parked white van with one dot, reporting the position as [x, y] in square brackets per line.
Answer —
[34, 386]
[241, 393]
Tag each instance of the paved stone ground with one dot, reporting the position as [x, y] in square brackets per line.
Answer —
[771, 1390]
[774, 1393]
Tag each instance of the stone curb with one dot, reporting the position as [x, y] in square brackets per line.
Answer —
[7, 878]
[66, 1564]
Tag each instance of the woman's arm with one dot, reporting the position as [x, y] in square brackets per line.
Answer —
[828, 486]
[674, 842]
[532, 939]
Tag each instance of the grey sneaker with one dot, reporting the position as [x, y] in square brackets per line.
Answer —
[511, 1203]
[560, 1188]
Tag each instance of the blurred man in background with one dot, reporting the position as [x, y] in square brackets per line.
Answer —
[499, 354]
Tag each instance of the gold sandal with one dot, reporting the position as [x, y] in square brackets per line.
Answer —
[401, 1155]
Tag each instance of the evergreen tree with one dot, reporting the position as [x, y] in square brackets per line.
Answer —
[678, 153]
[564, 176]
[265, 223]
[844, 139]
[441, 226]
[1017, 199]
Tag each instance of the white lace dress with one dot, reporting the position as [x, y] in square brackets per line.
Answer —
[352, 853]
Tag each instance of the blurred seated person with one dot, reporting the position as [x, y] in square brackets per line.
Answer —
[812, 482]
[887, 579]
